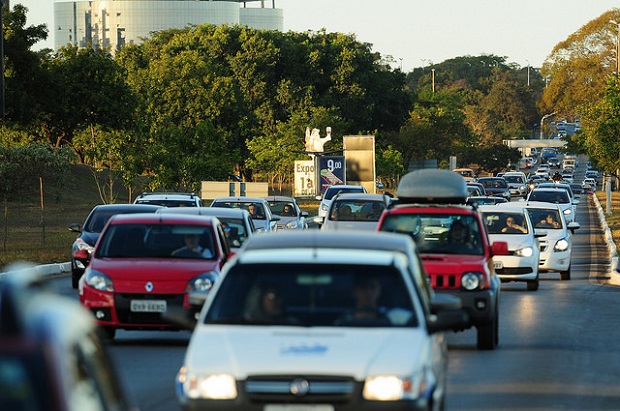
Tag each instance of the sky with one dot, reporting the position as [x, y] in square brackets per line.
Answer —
[418, 33]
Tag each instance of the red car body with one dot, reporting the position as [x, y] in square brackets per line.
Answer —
[134, 279]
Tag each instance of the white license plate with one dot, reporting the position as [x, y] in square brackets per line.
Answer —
[298, 407]
[148, 306]
[498, 265]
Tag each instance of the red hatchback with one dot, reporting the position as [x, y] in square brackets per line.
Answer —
[145, 265]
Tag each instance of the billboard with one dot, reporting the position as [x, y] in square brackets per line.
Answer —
[305, 178]
[360, 161]
[332, 171]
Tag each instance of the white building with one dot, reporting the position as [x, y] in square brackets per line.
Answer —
[114, 23]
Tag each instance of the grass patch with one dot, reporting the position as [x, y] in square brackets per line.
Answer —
[30, 233]
[613, 219]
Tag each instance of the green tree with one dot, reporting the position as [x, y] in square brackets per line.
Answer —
[579, 66]
[88, 90]
[601, 124]
[26, 83]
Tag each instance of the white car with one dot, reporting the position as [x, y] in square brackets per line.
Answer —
[556, 245]
[350, 211]
[277, 332]
[512, 224]
[558, 196]
[331, 191]
[590, 181]
[517, 183]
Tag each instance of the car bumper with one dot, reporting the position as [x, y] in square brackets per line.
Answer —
[516, 268]
[481, 306]
[554, 261]
[114, 309]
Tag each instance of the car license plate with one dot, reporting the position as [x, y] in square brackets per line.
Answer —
[498, 265]
[298, 407]
[148, 306]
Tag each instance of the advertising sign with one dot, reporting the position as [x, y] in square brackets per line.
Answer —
[332, 170]
[304, 178]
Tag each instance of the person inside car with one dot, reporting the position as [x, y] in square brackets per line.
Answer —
[512, 227]
[548, 222]
[458, 238]
[288, 211]
[255, 211]
[192, 248]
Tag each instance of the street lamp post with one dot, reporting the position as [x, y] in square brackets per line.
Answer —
[528, 73]
[546, 116]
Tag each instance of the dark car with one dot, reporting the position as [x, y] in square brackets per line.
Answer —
[146, 265]
[51, 356]
[91, 230]
[495, 186]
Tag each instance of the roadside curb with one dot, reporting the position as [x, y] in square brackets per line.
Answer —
[614, 273]
[43, 270]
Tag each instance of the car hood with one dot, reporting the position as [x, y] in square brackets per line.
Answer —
[167, 275]
[350, 225]
[515, 241]
[259, 350]
[441, 264]
[90, 238]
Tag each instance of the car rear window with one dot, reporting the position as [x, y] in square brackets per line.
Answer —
[310, 295]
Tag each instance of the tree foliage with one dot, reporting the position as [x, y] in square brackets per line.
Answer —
[579, 66]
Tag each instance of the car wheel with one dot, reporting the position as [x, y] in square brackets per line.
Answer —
[488, 334]
[565, 275]
[533, 285]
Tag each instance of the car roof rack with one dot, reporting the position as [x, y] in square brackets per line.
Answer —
[432, 186]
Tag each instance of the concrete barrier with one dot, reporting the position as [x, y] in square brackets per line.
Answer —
[44, 269]
[611, 244]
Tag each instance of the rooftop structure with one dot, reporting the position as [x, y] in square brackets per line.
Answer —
[116, 23]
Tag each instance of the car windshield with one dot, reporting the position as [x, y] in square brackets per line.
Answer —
[498, 222]
[438, 233]
[157, 241]
[547, 218]
[97, 221]
[308, 295]
[283, 208]
[256, 210]
[332, 191]
[513, 179]
[493, 182]
[551, 196]
[357, 210]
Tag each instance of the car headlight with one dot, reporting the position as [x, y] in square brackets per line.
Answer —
[99, 281]
[291, 225]
[561, 245]
[525, 252]
[210, 386]
[568, 211]
[323, 207]
[393, 388]
[83, 245]
[473, 281]
[202, 283]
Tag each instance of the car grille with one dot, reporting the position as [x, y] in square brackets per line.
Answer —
[444, 281]
[125, 315]
[300, 389]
